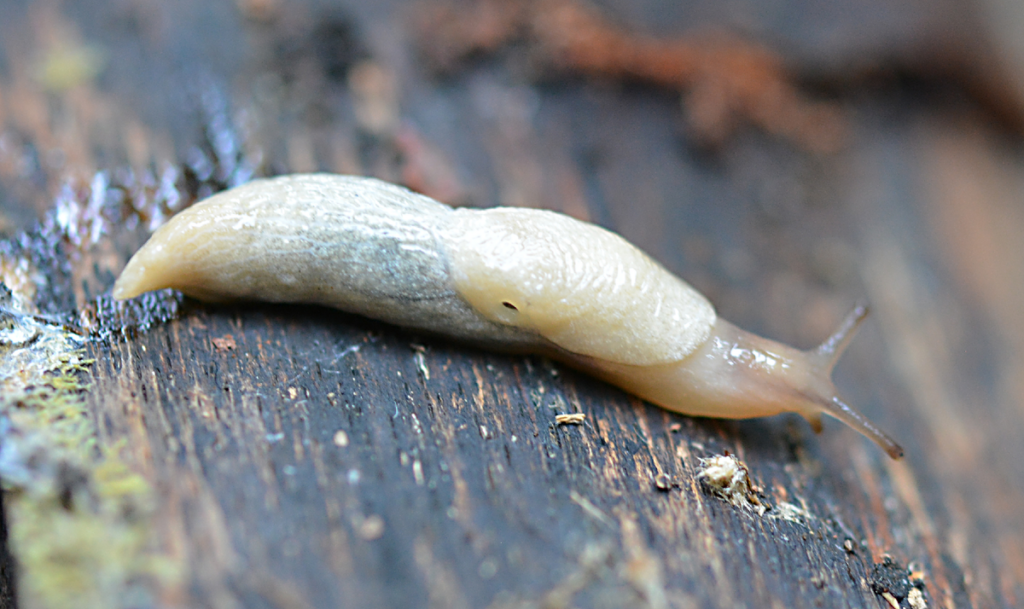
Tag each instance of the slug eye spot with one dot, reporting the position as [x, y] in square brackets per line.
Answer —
[507, 313]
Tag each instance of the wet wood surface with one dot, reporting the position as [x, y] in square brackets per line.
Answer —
[306, 458]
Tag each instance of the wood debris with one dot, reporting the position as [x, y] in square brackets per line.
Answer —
[889, 598]
[575, 418]
[915, 598]
[663, 482]
[727, 478]
[889, 580]
[225, 343]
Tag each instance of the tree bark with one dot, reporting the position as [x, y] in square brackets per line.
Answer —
[292, 456]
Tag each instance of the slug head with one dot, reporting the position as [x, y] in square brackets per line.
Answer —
[737, 374]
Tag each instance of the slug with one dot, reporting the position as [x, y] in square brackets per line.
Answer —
[513, 279]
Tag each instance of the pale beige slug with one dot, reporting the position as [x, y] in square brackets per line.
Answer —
[507, 278]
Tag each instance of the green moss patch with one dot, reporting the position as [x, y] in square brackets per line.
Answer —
[79, 518]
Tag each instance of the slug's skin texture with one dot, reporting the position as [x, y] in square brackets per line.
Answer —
[537, 270]
[356, 244]
[508, 278]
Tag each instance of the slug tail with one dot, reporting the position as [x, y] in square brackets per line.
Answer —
[130, 283]
[151, 268]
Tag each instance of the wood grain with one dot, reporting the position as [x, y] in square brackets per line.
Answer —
[301, 457]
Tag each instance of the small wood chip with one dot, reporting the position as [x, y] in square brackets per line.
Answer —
[915, 598]
[889, 598]
[574, 418]
[226, 343]
[728, 478]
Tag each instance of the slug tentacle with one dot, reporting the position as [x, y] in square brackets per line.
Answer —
[825, 394]
[831, 349]
[513, 279]
[839, 410]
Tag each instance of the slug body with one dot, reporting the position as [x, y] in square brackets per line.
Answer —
[507, 278]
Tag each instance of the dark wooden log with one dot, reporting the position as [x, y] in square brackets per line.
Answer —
[252, 455]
